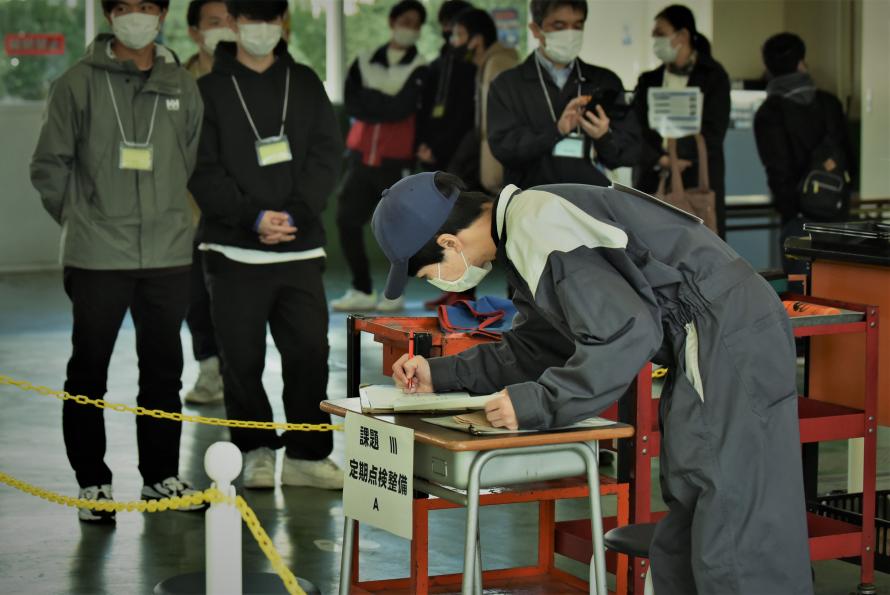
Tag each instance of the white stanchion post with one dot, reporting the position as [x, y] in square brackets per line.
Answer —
[222, 461]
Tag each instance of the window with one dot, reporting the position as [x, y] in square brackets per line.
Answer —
[27, 68]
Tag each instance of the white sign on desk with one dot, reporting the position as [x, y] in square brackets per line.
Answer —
[675, 113]
[379, 485]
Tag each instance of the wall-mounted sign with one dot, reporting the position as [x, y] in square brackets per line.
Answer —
[34, 44]
[508, 25]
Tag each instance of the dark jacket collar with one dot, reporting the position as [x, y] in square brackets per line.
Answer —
[529, 69]
[380, 55]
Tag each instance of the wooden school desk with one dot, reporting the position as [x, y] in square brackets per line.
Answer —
[470, 455]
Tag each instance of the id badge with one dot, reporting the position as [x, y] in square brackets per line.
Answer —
[570, 146]
[438, 111]
[136, 157]
[272, 150]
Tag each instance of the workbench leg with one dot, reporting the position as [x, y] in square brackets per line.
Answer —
[598, 559]
[420, 543]
[346, 555]
[546, 535]
[353, 358]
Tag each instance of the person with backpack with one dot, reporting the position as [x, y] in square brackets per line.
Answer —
[802, 140]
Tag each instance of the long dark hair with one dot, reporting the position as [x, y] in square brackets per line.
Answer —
[680, 17]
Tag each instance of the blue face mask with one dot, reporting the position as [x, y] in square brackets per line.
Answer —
[472, 276]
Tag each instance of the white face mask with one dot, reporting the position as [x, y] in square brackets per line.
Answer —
[212, 37]
[663, 49]
[563, 46]
[259, 39]
[136, 30]
[470, 279]
[405, 37]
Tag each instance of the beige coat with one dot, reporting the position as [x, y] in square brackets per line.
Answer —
[496, 60]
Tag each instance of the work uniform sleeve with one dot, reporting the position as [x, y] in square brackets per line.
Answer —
[372, 106]
[512, 140]
[522, 355]
[774, 148]
[53, 161]
[215, 191]
[615, 334]
[620, 146]
[322, 165]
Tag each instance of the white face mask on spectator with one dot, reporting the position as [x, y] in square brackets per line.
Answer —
[663, 50]
[405, 37]
[136, 30]
[212, 37]
[259, 39]
[563, 46]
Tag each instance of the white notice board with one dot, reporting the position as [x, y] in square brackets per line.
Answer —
[675, 113]
[379, 484]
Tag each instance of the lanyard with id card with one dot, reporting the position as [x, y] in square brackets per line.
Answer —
[272, 149]
[572, 145]
[132, 155]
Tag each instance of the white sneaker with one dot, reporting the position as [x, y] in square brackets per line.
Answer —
[259, 468]
[355, 301]
[387, 305]
[172, 487]
[98, 493]
[209, 386]
[324, 474]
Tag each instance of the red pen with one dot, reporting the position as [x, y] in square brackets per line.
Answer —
[411, 381]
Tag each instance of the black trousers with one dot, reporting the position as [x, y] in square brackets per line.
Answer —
[358, 199]
[290, 298]
[199, 321]
[157, 301]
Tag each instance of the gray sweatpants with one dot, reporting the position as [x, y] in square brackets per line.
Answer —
[730, 455]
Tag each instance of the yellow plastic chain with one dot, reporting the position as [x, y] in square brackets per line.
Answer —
[159, 414]
[210, 496]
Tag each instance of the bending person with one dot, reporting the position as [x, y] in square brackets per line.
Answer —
[607, 280]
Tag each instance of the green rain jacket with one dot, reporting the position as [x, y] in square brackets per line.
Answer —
[115, 219]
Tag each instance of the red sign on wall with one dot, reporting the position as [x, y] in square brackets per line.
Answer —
[34, 44]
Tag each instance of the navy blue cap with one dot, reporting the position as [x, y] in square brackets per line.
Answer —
[409, 215]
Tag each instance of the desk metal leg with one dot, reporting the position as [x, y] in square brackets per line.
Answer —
[472, 564]
[346, 555]
[478, 565]
[598, 561]
[472, 534]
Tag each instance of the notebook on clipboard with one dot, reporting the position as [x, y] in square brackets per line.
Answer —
[378, 398]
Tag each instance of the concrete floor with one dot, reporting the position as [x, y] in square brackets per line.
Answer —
[44, 549]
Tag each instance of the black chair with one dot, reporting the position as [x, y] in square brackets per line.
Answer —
[634, 541]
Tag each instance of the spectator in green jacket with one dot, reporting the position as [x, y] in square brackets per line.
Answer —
[118, 144]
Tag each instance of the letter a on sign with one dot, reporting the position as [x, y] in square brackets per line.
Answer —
[376, 506]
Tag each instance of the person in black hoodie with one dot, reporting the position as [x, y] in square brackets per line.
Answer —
[687, 62]
[268, 158]
[448, 108]
[798, 125]
[537, 124]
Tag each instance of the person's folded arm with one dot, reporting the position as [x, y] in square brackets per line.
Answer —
[522, 354]
[615, 334]
[215, 190]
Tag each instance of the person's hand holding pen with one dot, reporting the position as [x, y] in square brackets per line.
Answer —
[412, 374]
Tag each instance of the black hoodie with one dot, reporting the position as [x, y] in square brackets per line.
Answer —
[230, 186]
